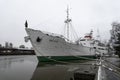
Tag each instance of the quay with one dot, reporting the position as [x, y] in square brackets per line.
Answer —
[101, 69]
[16, 51]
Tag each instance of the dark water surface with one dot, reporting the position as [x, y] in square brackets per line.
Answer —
[27, 68]
[17, 67]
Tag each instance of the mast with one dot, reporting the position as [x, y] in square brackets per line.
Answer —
[98, 35]
[91, 33]
[67, 21]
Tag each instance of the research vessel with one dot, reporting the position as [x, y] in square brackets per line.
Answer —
[55, 47]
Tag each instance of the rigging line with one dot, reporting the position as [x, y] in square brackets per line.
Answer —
[73, 36]
[74, 31]
[112, 64]
[62, 30]
[64, 34]
[111, 69]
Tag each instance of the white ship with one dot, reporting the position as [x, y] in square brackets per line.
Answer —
[89, 41]
[54, 47]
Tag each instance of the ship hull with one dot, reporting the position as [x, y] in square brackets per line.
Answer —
[64, 58]
[56, 48]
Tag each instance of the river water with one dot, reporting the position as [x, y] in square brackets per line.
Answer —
[17, 67]
[27, 68]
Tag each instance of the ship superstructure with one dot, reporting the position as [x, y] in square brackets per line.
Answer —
[89, 41]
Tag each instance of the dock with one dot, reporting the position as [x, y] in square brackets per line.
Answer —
[15, 51]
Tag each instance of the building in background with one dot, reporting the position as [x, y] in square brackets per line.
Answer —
[8, 45]
[22, 46]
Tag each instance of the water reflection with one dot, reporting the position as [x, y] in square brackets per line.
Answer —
[62, 71]
[75, 71]
[28, 68]
[17, 67]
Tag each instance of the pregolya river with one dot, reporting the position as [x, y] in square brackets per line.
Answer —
[26, 67]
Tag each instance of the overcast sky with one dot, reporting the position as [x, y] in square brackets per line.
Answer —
[49, 15]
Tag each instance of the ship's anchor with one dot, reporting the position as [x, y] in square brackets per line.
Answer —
[38, 39]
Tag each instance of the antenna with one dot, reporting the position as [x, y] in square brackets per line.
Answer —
[91, 32]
